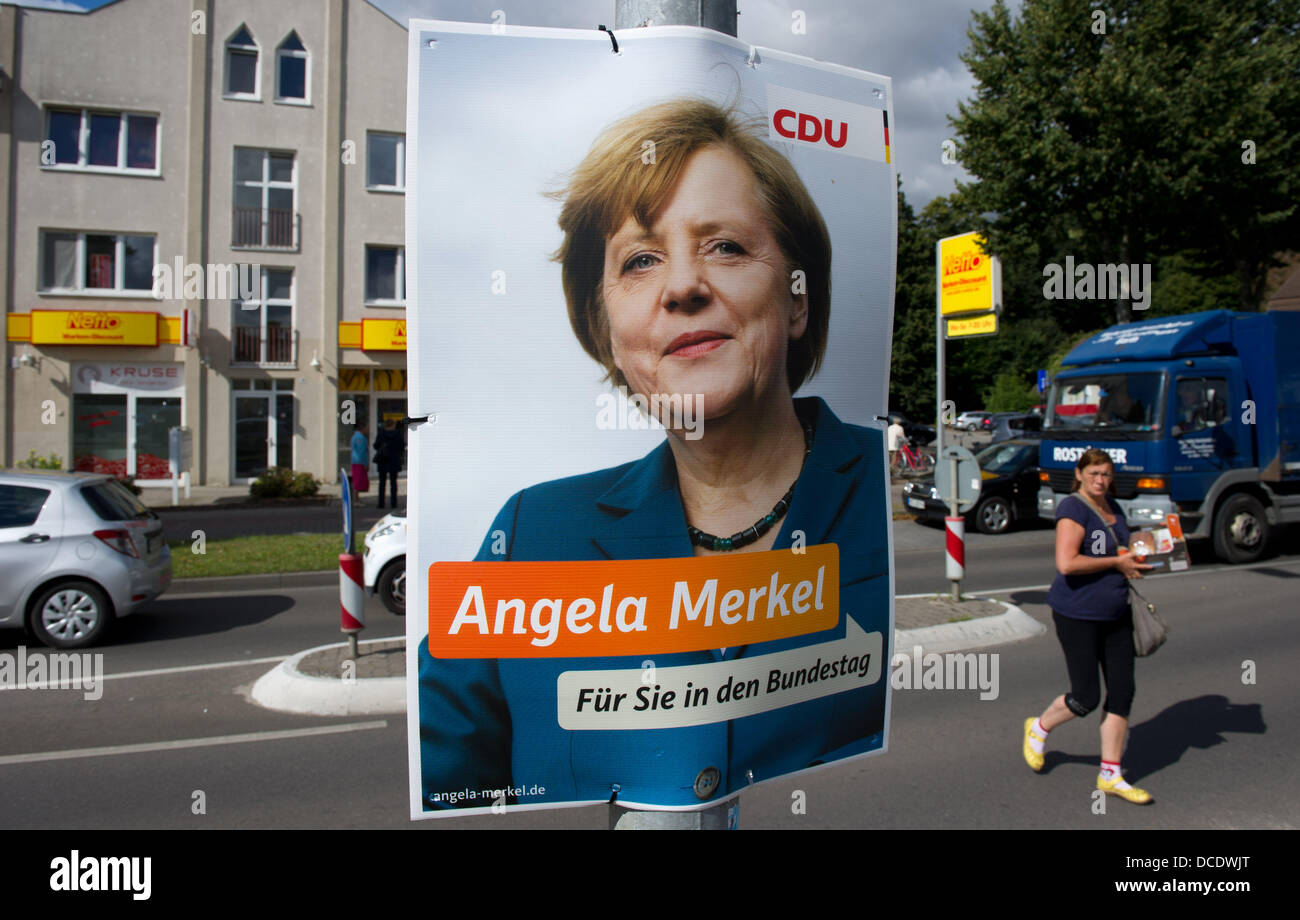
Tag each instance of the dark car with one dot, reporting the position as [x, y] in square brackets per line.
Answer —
[1008, 492]
[921, 434]
[1008, 425]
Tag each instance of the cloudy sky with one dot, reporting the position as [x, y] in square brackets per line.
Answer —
[916, 42]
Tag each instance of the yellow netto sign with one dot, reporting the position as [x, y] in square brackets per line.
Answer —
[383, 335]
[968, 276]
[987, 324]
[94, 327]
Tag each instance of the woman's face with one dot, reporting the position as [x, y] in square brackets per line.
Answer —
[1095, 480]
[701, 301]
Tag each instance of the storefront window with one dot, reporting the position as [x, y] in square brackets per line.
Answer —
[122, 415]
[354, 379]
[99, 434]
[368, 407]
[391, 380]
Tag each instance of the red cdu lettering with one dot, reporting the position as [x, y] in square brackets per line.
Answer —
[780, 116]
[844, 134]
[810, 129]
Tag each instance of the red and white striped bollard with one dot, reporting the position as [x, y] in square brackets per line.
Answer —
[956, 547]
[352, 596]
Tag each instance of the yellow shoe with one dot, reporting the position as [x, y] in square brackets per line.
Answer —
[1131, 794]
[1032, 757]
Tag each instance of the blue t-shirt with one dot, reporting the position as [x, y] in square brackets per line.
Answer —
[1099, 595]
[360, 449]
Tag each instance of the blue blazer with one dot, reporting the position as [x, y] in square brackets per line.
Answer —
[489, 724]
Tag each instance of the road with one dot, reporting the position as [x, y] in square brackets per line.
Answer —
[1216, 752]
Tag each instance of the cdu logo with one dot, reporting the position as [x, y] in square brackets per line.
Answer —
[811, 129]
[829, 124]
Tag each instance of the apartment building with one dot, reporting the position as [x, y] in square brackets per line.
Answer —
[202, 226]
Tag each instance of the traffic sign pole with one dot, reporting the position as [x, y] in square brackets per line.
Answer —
[974, 298]
[957, 570]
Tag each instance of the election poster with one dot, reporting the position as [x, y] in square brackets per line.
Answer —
[649, 309]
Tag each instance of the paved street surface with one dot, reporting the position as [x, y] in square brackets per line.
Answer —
[1215, 752]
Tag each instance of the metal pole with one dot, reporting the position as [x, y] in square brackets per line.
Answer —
[951, 498]
[719, 15]
[952, 509]
[938, 358]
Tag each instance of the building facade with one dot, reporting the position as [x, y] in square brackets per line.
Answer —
[203, 226]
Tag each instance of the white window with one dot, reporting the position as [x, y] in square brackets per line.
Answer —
[385, 161]
[262, 325]
[292, 71]
[242, 81]
[386, 275]
[100, 141]
[264, 214]
[96, 263]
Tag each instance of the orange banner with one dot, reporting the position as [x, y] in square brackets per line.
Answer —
[630, 607]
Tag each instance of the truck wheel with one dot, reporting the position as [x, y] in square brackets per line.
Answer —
[993, 515]
[391, 587]
[1241, 529]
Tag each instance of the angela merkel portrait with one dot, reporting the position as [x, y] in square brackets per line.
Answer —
[701, 272]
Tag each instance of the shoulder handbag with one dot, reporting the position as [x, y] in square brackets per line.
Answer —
[1149, 628]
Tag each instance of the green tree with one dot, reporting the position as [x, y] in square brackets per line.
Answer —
[1115, 135]
[911, 372]
[1011, 393]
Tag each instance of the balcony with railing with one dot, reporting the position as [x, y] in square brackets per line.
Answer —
[277, 345]
[264, 228]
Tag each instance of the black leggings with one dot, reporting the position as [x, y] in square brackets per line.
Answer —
[1086, 644]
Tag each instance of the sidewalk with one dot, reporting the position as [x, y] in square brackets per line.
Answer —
[160, 498]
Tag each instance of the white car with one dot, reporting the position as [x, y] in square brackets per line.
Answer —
[972, 421]
[385, 561]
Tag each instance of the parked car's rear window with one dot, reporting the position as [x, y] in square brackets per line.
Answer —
[113, 501]
[20, 506]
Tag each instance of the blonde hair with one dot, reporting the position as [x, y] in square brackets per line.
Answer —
[614, 182]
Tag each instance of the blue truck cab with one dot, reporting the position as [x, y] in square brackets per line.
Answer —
[1201, 414]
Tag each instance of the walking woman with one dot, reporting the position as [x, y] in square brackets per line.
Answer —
[1094, 623]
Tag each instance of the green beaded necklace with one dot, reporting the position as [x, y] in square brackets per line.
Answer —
[763, 524]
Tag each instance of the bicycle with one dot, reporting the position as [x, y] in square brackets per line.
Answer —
[910, 459]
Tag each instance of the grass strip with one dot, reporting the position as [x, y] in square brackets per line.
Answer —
[259, 555]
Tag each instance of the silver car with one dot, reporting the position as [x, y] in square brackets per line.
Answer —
[76, 550]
